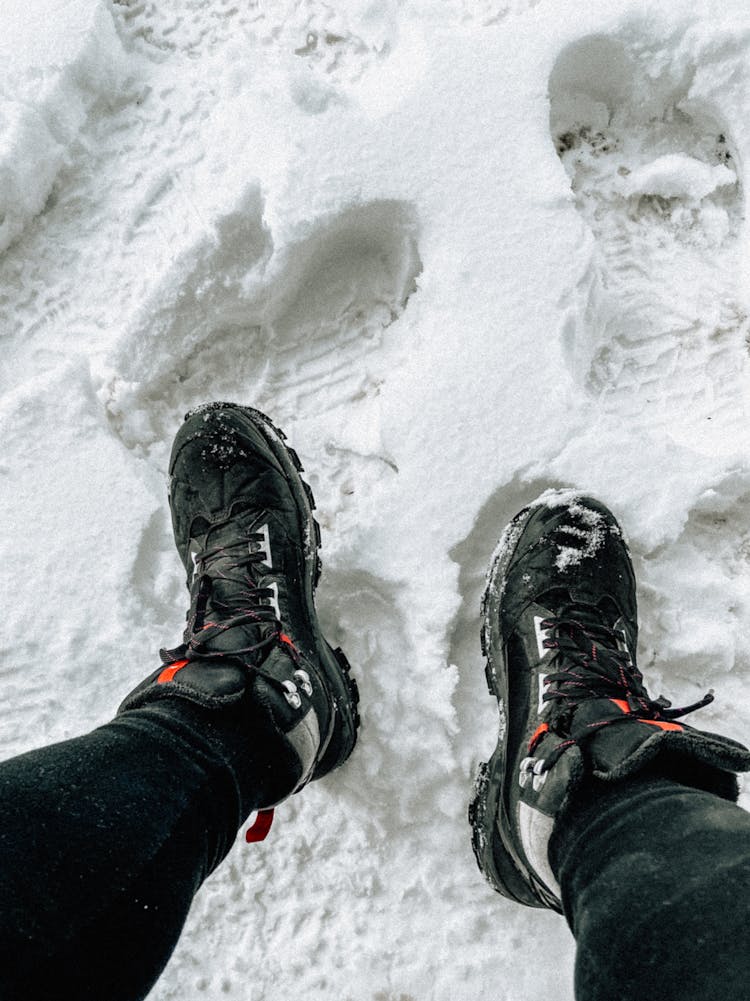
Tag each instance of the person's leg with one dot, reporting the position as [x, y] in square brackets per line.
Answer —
[655, 879]
[596, 801]
[104, 839]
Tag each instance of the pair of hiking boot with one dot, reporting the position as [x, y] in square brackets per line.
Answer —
[559, 634]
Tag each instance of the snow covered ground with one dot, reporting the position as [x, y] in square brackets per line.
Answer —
[461, 251]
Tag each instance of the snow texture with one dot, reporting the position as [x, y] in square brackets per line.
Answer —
[675, 175]
[462, 252]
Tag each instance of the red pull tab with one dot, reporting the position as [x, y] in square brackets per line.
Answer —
[261, 827]
[169, 672]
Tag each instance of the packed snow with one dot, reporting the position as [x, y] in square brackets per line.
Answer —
[462, 251]
[675, 175]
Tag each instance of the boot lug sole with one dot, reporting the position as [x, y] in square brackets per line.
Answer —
[487, 842]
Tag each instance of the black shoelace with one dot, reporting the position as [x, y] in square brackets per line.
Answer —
[226, 598]
[591, 661]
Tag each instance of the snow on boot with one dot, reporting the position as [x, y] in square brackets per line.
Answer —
[245, 531]
[559, 634]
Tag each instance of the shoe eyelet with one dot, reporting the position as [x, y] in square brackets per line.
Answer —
[291, 694]
[525, 772]
[539, 780]
[303, 680]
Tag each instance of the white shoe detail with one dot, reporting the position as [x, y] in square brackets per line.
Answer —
[541, 704]
[524, 772]
[194, 554]
[302, 678]
[541, 636]
[291, 694]
[532, 768]
[273, 587]
[264, 547]
[305, 739]
[622, 643]
[536, 829]
[539, 780]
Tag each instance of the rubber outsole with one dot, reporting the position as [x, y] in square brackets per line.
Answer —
[498, 864]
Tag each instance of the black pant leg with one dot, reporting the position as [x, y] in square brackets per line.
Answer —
[104, 840]
[655, 881]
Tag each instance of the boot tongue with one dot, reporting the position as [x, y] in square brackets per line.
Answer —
[585, 608]
[231, 533]
[230, 580]
[590, 654]
[237, 640]
[229, 596]
[230, 599]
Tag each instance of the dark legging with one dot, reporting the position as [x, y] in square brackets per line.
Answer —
[105, 839]
[655, 881]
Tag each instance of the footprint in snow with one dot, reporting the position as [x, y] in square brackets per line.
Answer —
[656, 179]
[296, 330]
[293, 329]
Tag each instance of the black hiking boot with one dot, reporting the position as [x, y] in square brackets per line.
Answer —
[559, 634]
[244, 527]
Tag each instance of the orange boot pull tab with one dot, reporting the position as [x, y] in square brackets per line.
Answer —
[260, 827]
